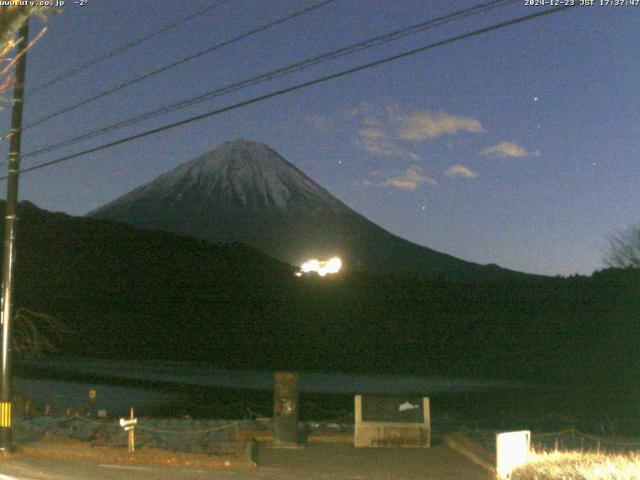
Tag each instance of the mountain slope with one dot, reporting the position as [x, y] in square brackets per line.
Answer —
[130, 292]
[127, 292]
[244, 191]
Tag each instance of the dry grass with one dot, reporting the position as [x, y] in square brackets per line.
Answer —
[580, 466]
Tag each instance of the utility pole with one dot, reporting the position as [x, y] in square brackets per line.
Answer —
[10, 238]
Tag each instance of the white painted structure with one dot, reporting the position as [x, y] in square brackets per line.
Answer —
[379, 433]
[512, 451]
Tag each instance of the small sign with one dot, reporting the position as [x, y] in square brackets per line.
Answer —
[129, 425]
[128, 422]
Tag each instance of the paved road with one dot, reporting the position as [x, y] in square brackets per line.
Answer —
[317, 462]
[54, 469]
[340, 462]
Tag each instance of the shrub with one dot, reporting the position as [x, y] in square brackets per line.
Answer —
[580, 466]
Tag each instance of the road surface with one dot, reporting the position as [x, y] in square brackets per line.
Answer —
[316, 462]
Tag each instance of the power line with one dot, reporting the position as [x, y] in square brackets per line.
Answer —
[182, 61]
[300, 86]
[83, 66]
[294, 67]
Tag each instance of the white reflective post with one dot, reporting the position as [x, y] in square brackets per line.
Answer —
[512, 451]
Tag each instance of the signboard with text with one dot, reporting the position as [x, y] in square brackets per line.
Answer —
[392, 421]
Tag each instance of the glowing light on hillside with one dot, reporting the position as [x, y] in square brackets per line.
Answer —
[310, 266]
[322, 268]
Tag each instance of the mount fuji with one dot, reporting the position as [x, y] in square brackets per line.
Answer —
[244, 191]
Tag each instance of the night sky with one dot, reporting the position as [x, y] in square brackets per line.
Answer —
[518, 147]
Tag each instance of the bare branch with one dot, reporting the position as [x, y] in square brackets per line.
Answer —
[624, 249]
[36, 333]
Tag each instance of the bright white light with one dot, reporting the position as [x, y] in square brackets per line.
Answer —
[322, 268]
[333, 265]
[310, 266]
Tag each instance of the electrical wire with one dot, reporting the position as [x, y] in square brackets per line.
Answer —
[300, 86]
[127, 83]
[291, 68]
[83, 66]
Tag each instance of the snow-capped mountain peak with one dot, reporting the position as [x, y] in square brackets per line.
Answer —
[244, 191]
[239, 173]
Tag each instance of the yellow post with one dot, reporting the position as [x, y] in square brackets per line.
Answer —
[5, 414]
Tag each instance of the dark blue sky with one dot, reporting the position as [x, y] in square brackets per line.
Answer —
[518, 147]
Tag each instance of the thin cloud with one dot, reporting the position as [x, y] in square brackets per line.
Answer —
[360, 109]
[459, 170]
[378, 146]
[320, 123]
[410, 180]
[377, 142]
[384, 131]
[371, 133]
[424, 125]
[371, 122]
[505, 150]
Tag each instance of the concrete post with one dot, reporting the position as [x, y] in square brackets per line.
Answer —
[285, 409]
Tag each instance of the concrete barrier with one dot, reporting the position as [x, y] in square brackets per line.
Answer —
[472, 450]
